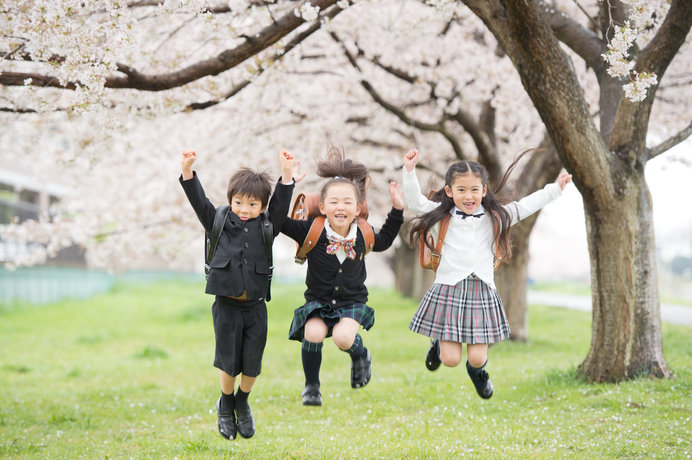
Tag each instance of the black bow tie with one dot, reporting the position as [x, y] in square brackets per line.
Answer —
[464, 215]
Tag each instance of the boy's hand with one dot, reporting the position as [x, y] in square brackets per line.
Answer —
[411, 159]
[395, 193]
[189, 157]
[564, 179]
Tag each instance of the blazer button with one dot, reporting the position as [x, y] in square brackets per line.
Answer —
[333, 302]
[336, 288]
[244, 261]
[245, 229]
[246, 245]
[340, 270]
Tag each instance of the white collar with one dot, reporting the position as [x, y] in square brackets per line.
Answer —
[352, 231]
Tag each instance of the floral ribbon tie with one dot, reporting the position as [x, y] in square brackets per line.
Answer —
[347, 245]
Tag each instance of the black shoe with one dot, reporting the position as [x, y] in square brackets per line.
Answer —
[227, 426]
[360, 370]
[481, 380]
[432, 359]
[245, 422]
[311, 395]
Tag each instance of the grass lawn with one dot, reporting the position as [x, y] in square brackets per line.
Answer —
[129, 374]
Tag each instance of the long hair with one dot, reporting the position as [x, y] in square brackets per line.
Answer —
[499, 217]
[338, 169]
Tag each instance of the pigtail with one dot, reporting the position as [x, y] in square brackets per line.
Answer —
[337, 168]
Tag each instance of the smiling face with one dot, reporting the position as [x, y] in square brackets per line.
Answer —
[246, 207]
[467, 191]
[340, 205]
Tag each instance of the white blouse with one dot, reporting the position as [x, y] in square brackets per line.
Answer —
[468, 244]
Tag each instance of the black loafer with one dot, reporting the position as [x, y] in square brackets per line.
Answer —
[481, 380]
[432, 359]
[227, 426]
[360, 370]
[245, 422]
[311, 395]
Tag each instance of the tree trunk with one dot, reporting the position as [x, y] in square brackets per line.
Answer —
[411, 279]
[512, 281]
[626, 329]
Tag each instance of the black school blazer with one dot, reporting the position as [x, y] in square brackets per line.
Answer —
[334, 283]
[239, 264]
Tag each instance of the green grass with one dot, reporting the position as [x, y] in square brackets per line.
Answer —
[129, 374]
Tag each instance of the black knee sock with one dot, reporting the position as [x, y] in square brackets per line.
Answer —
[241, 398]
[227, 402]
[312, 361]
[357, 350]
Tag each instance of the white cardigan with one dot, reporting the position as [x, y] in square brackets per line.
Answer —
[468, 244]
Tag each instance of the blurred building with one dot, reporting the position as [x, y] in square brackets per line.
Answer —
[23, 197]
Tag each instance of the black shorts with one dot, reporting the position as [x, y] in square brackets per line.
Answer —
[240, 329]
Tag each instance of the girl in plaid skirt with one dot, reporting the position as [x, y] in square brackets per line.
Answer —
[463, 306]
[336, 295]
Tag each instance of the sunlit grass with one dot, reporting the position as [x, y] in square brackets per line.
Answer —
[129, 374]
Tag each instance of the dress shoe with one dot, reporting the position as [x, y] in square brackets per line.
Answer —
[227, 426]
[311, 395]
[481, 380]
[360, 370]
[245, 422]
[432, 359]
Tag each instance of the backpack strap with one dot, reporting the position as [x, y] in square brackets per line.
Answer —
[436, 253]
[368, 234]
[211, 241]
[268, 238]
[310, 240]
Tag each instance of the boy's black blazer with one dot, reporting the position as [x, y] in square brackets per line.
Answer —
[239, 264]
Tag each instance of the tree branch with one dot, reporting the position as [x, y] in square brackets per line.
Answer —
[670, 142]
[580, 40]
[295, 41]
[225, 60]
[396, 111]
[655, 57]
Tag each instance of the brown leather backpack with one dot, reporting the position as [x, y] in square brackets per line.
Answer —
[306, 206]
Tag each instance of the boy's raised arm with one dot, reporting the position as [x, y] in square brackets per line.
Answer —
[189, 157]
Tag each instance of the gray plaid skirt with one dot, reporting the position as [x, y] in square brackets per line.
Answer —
[360, 312]
[468, 312]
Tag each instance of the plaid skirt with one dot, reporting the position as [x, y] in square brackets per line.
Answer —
[468, 312]
[330, 315]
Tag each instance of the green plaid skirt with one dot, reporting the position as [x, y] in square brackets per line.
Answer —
[330, 315]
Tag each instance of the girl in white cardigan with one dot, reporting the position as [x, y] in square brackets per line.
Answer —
[462, 305]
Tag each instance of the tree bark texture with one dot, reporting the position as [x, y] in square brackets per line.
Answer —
[626, 329]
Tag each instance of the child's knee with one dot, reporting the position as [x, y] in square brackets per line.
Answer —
[343, 340]
[450, 359]
[314, 334]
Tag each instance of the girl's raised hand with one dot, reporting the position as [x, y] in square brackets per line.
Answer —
[297, 175]
[564, 179]
[411, 159]
[395, 193]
